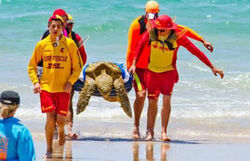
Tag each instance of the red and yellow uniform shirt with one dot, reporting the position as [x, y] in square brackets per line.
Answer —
[136, 31]
[163, 59]
[61, 63]
[189, 32]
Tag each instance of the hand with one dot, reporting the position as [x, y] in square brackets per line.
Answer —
[220, 72]
[37, 88]
[208, 45]
[68, 87]
[132, 69]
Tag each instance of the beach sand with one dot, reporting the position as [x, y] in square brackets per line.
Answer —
[126, 150]
[95, 147]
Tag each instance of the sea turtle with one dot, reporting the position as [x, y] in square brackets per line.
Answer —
[104, 76]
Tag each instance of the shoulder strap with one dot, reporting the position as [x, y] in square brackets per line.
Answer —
[170, 35]
[142, 24]
[74, 37]
[45, 34]
[169, 44]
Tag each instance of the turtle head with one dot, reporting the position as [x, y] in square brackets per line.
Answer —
[104, 83]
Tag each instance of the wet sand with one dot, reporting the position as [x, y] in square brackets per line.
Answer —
[118, 149]
[100, 141]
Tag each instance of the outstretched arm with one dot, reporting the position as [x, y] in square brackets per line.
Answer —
[198, 53]
[217, 71]
[207, 45]
[194, 35]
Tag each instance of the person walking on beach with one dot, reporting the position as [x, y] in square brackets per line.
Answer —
[79, 42]
[137, 28]
[61, 68]
[15, 139]
[67, 31]
[162, 73]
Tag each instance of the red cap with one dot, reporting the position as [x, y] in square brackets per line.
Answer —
[60, 12]
[55, 17]
[164, 21]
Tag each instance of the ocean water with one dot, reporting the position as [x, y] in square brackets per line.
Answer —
[202, 104]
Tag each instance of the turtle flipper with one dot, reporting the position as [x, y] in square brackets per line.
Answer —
[85, 94]
[122, 94]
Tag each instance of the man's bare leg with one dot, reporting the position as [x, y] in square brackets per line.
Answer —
[138, 107]
[165, 114]
[70, 117]
[60, 120]
[49, 132]
[152, 112]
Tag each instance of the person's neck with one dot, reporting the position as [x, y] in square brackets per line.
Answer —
[53, 38]
[9, 116]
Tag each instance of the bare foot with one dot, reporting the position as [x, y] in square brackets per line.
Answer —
[72, 135]
[48, 155]
[150, 136]
[61, 139]
[136, 133]
[164, 137]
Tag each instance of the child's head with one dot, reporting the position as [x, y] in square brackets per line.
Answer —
[9, 101]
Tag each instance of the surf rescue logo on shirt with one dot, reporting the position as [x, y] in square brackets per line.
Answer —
[160, 46]
[3, 147]
[54, 62]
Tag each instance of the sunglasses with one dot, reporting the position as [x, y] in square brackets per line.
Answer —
[162, 30]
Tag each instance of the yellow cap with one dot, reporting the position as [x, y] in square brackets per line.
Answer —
[70, 19]
[56, 17]
[152, 7]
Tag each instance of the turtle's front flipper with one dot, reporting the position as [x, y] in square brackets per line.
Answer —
[85, 94]
[122, 94]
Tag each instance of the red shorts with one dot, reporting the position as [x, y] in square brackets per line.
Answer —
[142, 75]
[55, 101]
[161, 83]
